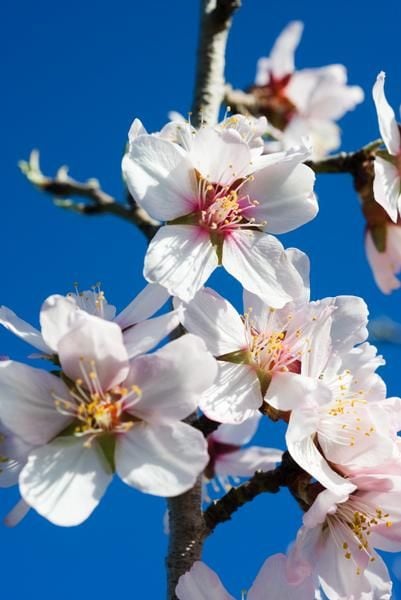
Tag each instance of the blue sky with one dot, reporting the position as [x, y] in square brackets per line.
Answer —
[74, 76]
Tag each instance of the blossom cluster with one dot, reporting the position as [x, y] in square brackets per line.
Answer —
[119, 400]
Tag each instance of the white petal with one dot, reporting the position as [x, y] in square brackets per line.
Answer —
[221, 156]
[143, 306]
[289, 391]
[235, 395]
[160, 177]
[163, 460]
[216, 321]
[260, 264]
[244, 463]
[55, 318]
[135, 130]
[385, 265]
[273, 577]
[26, 402]
[13, 455]
[180, 258]
[349, 322]
[201, 583]
[94, 340]
[64, 481]
[171, 379]
[146, 335]
[387, 186]
[238, 434]
[23, 329]
[300, 434]
[282, 53]
[301, 262]
[387, 121]
[285, 195]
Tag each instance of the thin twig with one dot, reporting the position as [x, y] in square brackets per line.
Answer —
[287, 474]
[209, 83]
[63, 188]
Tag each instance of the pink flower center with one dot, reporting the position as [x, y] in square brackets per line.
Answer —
[222, 208]
[271, 350]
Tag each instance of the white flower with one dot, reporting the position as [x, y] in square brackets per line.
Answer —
[105, 414]
[340, 534]
[201, 583]
[139, 332]
[303, 103]
[219, 196]
[387, 182]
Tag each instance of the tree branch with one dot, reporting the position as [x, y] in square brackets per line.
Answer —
[287, 474]
[346, 162]
[63, 188]
[209, 83]
[205, 425]
[187, 532]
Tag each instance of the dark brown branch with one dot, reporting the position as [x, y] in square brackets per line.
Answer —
[209, 83]
[287, 474]
[205, 425]
[345, 162]
[63, 188]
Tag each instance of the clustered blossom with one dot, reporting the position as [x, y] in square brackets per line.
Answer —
[306, 102]
[114, 405]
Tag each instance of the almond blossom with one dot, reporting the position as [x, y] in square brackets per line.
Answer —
[139, 332]
[387, 164]
[342, 531]
[219, 197]
[105, 414]
[262, 354]
[201, 583]
[305, 102]
[348, 429]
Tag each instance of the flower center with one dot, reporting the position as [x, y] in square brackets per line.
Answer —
[91, 301]
[96, 411]
[270, 350]
[273, 101]
[359, 518]
[222, 208]
[346, 419]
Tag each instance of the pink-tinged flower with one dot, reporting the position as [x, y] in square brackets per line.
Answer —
[219, 197]
[349, 428]
[201, 583]
[106, 414]
[340, 535]
[140, 333]
[305, 102]
[387, 164]
[386, 261]
[260, 354]
[229, 460]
